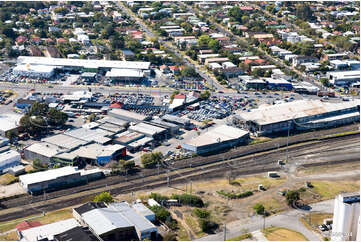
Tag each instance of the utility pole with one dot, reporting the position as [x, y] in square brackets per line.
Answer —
[225, 232]
[288, 135]
[191, 188]
[158, 165]
[264, 222]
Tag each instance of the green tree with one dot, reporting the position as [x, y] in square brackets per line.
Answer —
[205, 95]
[259, 208]
[214, 45]
[292, 197]
[201, 213]
[161, 214]
[203, 40]
[304, 12]
[325, 82]
[149, 160]
[104, 197]
[189, 72]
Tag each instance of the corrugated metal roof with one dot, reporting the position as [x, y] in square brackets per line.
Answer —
[146, 129]
[292, 110]
[219, 134]
[64, 141]
[104, 220]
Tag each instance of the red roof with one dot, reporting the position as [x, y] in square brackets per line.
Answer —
[36, 39]
[248, 61]
[174, 68]
[27, 225]
[246, 8]
[60, 40]
[20, 39]
[116, 105]
[180, 96]
[222, 39]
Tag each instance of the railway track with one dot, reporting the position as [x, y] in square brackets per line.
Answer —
[262, 162]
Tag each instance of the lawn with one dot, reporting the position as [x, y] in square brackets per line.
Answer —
[50, 217]
[329, 189]
[7, 179]
[282, 234]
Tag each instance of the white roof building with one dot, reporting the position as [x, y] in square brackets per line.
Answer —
[9, 121]
[119, 73]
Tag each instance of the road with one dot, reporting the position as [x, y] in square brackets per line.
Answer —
[288, 219]
[212, 81]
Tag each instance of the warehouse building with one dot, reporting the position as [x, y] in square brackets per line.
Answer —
[149, 130]
[64, 141]
[99, 136]
[42, 151]
[112, 120]
[142, 210]
[28, 70]
[343, 78]
[170, 127]
[143, 227]
[127, 115]
[300, 115]
[218, 139]
[127, 137]
[56, 179]
[182, 122]
[9, 159]
[138, 144]
[98, 154]
[9, 122]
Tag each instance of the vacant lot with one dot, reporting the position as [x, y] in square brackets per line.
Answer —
[282, 234]
[11, 236]
[312, 221]
[50, 217]
[7, 179]
[252, 182]
[329, 189]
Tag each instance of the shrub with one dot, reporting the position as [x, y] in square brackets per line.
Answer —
[188, 199]
[158, 197]
[161, 214]
[207, 226]
[201, 213]
[232, 195]
[259, 208]
[103, 197]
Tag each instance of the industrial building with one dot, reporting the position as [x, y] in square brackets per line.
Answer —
[141, 209]
[278, 84]
[346, 216]
[149, 130]
[9, 122]
[9, 159]
[127, 115]
[127, 137]
[56, 179]
[300, 115]
[99, 136]
[343, 78]
[138, 144]
[116, 74]
[219, 138]
[64, 141]
[42, 151]
[117, 221]
[182, 122]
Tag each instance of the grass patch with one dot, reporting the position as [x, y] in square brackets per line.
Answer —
[12, 236]
[182, 234]
[282, 234]
[194, 225]
[8, 179]
[50, 217]
[241, 237]
[329, 189]
[344, 133]
[259, 140]
[312, 221]
[251, 183]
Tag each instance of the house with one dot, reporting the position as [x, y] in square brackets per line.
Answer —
[128, 54]
[303, 59]
[20, 40]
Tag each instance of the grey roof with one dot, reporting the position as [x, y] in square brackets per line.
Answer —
[142, 209]
[119, 113]
[96, 135]
[64, 141]
[176, 119]
[44, 149]
[140, 222]
[113, 120]
[147, 129]
[104, 220]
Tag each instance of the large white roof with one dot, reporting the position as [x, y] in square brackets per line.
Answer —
[34, 68]
[9, 121]
[219, 134]
[115, 72]
[292, 110]
[82, 63]
[47, 175]
[64, 141]
[146, 129]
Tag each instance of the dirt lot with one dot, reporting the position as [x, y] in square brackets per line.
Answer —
[283, 234]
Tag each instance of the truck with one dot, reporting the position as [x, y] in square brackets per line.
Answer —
[272, 174]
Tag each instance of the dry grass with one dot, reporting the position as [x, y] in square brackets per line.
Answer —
[50, 217]
[251, 182]
[28, 168]
[329, 189]
[194, 225]
[182, 234]
[282, 234]
[12, 236]
[7, 179]
[312, 221]
[330, 168]
[272, 204]
[241, 237]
